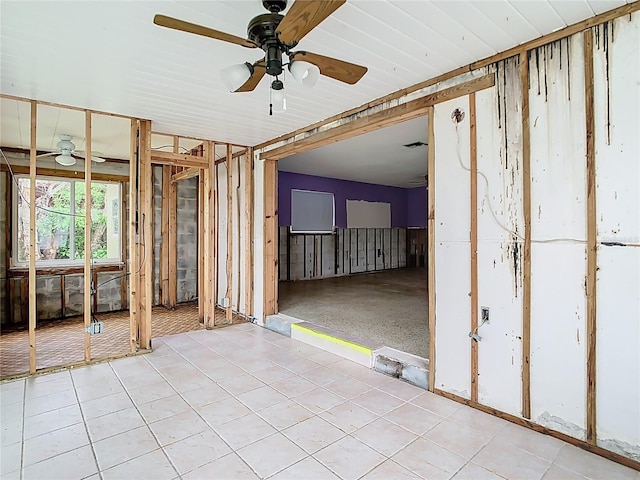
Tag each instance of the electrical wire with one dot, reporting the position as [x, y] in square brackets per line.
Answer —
[94, 288]
[512, 232]
[24, 199]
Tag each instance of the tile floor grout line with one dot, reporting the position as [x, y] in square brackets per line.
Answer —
[86, 427]
[160, 447]
[233, 450]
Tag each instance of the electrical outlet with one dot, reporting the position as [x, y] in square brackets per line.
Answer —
[484, 317]
[225, 302]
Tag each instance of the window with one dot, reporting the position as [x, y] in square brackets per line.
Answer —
[60, 236]
[312, 212]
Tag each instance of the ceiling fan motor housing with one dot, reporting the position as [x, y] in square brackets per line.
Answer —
[262, 31]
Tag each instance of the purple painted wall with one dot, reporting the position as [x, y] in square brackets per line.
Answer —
[344, 190]
[417, 207]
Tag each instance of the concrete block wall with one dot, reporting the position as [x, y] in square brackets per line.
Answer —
[345, 252]
[187, 240]
[109, 297]
[4, 227]
[157, 231]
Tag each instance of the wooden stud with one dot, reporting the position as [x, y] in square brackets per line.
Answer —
[164, 233]
[592, 245]
[124, 222]
[200, 228]
[526, 266]
[384, 118]
[248, 233]
[208, 226]
[229, 294]
[87, 241]
[473, 177]
[146, 192]
[134, 260]
[270, 237]
[63, 297]
[240, 236]
[32, 241]
[431, 252]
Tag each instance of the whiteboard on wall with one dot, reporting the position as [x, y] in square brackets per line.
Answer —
[363, 214]
[312, 212]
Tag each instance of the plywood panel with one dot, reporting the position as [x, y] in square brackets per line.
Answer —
[558, 190]
[452, 213]
[500, 240]
[616, 66]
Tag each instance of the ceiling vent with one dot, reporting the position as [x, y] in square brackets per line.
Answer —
[415, 145]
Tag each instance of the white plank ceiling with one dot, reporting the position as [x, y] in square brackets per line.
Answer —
[109, 56]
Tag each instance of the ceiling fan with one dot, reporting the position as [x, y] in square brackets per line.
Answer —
[67, 154]
[277, 35]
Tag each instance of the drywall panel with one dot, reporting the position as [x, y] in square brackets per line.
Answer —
[500, 244]
[363, 214]
[616, 67]
[558, 211]
[258, 239]
[452, 262]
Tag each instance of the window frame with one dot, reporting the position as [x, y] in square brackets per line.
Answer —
[56, 263]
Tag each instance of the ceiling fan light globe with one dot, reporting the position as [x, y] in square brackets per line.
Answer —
[235, 76]
[305, 73]
[65, 160]
[278, 100]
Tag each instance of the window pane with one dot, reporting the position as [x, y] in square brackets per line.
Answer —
[105, 243]
[52, 229]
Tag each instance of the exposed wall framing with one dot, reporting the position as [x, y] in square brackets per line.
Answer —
[509, 371]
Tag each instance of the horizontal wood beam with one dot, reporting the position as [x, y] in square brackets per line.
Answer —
[25, 151]
[185, 174]
[54, 172]
[233, 157]
[384, 118]
[24, 272]
[525, 47]
[178, 159]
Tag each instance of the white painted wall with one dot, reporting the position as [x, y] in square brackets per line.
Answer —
[618, 213]
[500, 246]
[453, 263]
[558, 205]
[558, 356]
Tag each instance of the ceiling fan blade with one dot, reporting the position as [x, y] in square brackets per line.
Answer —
[183, 26]
[332, 67]
[258, 72]
[95, 156]
[44, 155]
[304, 16]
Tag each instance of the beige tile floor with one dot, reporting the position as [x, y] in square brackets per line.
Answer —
[245, 403]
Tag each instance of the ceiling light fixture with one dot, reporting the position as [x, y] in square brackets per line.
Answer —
[278, 101]
[235, 76]
[66, 160]
[305, 73]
